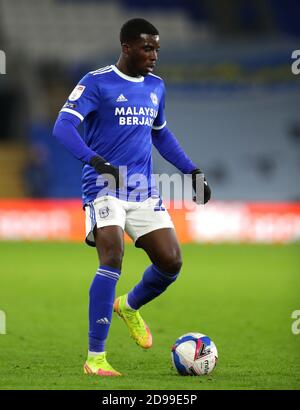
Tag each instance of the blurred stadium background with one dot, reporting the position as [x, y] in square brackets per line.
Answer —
[233, 103]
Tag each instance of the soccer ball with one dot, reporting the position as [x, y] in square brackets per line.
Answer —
[194, 354]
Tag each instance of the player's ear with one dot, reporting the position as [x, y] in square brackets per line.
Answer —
[125, 48]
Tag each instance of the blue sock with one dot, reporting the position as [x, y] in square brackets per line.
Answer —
[102, 294]
[153, 283]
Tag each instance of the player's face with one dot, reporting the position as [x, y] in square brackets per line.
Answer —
[143, 54]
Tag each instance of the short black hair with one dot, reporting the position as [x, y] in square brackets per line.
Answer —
[132, 29]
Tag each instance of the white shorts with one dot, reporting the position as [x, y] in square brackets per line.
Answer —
[135, 218]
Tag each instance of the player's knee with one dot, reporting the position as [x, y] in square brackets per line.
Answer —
[175, 267]
[112, 257]
[171, 263]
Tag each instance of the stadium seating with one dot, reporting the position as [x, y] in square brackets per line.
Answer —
[74, 31]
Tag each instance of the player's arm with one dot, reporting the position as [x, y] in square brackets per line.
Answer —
[65, 130]
[169, 148]
[83, 100]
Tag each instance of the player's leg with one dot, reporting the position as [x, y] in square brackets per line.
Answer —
[110, 244]
[105, 219]
[163, 249]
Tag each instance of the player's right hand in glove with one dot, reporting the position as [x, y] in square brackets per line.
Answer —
[202, 195]
[103, 167]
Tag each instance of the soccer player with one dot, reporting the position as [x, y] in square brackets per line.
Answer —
[122, 110]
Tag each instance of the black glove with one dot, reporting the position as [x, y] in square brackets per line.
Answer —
[206, 188]
[104, 167]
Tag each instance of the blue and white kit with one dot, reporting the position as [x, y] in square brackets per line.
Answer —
[122, 118]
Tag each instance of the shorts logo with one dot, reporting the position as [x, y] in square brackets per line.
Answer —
[154, 98]
[76, 93]
[104, 212]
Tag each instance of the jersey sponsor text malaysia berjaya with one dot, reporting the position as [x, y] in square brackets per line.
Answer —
[118, 114]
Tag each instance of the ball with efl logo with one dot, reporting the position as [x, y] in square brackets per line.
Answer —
[194, 354]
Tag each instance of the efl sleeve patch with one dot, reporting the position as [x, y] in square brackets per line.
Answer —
[76, 93]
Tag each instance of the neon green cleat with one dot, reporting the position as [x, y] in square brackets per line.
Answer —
[99, 366]
[137, 327]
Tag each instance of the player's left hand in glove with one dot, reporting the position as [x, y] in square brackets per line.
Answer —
[200, 187]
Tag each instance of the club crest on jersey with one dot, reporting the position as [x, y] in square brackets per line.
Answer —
[154, 98]
[104, 212]
[76, 93]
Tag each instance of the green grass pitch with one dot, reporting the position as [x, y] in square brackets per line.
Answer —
[242, 296]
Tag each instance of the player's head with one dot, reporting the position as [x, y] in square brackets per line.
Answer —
[140, 44]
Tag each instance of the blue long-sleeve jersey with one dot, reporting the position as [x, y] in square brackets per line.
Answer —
[119, 114]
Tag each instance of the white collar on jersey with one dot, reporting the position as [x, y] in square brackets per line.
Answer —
[127, 77]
